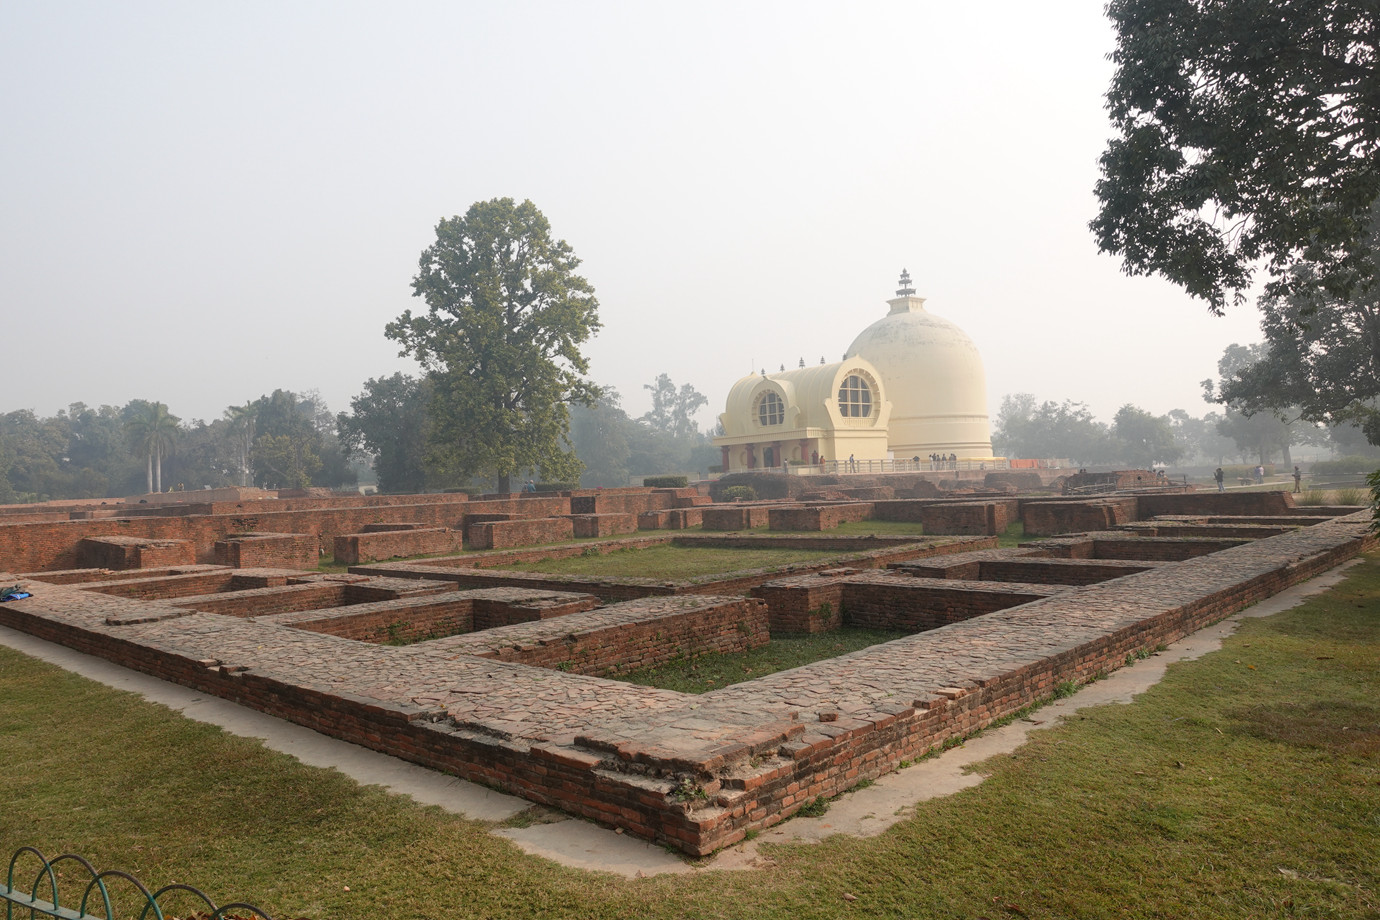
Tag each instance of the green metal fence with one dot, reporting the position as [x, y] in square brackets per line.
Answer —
[99, 900]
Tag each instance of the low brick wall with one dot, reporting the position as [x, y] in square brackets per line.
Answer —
[625, 637]
[398, 621]
[1048, 519]
[908, 510]
[827, 600]
[674, 519]
[159, 587]
[653, 520]
[889, 602]
[495, 607]
[819, 517]
[985, 518]
[506, 534]
[135, 553]
[622, 501]
[355, 548]
[734, 517]
[604, 525]
[1209, 502]
[268, 550]
[1150, 549]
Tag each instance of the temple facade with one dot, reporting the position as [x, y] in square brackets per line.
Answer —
[910, 385]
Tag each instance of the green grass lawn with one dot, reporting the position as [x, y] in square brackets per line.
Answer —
[1246, 784]
[711, 672]
[671, 562]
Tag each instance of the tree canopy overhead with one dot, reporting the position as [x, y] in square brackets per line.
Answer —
[500, 341]
[1247, 132]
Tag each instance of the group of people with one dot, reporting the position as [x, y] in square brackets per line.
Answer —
[939, 461]
[1220, 477]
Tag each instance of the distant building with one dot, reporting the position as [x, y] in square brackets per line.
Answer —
[910, 385]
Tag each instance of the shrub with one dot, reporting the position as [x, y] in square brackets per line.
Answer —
[1343, 466]
[557, 486]
[738, 494]
[666, 482]
[1312, 497]
[1349, 497]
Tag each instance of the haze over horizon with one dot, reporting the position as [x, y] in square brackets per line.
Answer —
[203, 204]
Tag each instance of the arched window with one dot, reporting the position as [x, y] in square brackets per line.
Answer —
[770, 409]
[855, 398]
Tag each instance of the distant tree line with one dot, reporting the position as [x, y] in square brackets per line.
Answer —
[283, 439]
[1135, 438]
[292, 440]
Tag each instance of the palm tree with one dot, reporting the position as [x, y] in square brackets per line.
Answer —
[241, 420]
[152, 431]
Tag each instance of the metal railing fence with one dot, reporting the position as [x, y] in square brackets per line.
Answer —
[96, 893]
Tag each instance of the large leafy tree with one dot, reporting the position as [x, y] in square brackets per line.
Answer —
[602, 435]
[1321, 355]
[500, 340]
[295, 442]
[673, 410]
[1146, 438]
[388, 422]
[1050, 429]
[1263, 423]
[152, 431]
[30, 451]
[1247, 131]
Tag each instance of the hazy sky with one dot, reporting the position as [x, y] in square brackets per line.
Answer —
[204, 202]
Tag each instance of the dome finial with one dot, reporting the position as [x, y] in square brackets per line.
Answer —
[906, 290]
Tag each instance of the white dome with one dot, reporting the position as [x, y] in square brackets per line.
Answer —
[934, 381]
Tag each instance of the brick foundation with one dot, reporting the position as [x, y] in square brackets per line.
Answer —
[268, 550]
[692, 772]
[505, 534]
[352, 549]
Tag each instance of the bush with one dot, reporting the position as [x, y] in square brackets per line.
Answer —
[1343, 466]
[738, 494]
[1349, 497]
[557, 486]
[1312, 497]
[666, 482]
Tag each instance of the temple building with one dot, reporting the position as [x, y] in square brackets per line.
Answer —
[910, 385]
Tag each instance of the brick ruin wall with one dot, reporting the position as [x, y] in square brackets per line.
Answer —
[355, 548]
[1049, 518]
[608, 524]
[768, 770]
[134, 553]
[268, 550]
[627, 637]
[525, 532]
[42, 546]
[818, 517]
[734, 517]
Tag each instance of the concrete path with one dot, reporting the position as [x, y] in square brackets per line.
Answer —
[583, 845]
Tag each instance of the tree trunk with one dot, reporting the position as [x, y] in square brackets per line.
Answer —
[505, 482]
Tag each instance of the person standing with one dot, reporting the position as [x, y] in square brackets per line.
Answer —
[1220, 478]
[1298, 479]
